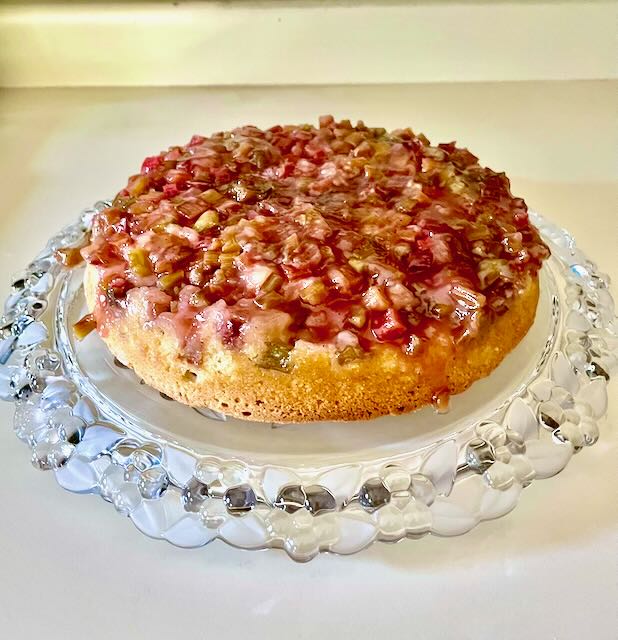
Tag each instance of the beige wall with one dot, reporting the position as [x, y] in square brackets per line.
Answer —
[222, 43]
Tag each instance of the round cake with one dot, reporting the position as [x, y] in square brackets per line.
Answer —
[303, 273]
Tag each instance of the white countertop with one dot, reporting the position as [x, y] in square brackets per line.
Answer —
[71, 567]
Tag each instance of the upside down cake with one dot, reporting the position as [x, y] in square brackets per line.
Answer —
[305, 273]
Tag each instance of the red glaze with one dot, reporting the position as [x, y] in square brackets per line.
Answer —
[358, 235]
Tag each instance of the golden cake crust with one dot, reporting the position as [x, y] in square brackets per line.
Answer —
[316, 387]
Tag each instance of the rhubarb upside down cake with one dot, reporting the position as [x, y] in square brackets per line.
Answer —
[304, 273]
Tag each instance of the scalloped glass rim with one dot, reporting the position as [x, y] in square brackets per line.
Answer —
[182, 476]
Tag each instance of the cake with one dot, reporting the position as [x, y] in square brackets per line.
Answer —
[303, 273]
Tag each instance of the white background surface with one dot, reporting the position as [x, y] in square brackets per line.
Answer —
[70, 567]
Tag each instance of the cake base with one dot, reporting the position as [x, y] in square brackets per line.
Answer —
[316, 387]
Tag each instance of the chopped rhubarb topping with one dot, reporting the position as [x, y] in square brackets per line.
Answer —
[340, 234]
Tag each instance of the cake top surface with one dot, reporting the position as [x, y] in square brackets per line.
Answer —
[339, 234]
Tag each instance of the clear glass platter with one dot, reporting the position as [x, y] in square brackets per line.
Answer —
[192, 476]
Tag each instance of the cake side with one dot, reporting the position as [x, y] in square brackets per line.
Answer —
[315, 386]
[304, 273]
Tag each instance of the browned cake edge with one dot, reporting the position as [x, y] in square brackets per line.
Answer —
[317, 387]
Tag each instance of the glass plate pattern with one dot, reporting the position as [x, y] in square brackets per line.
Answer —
[190, 477]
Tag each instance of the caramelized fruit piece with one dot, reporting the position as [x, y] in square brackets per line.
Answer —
[168, 280]
[272, 282]
[357, 317]
[314, 293]
[276, 356]
[375, 299]
[84, 326]
[211, 196]
[210, 259]
[207, 220]
[139, 263]
[349, 354]
[69, 257]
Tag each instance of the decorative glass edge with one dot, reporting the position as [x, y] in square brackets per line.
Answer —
[171, 495]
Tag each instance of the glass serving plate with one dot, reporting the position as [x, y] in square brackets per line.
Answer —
[192, 476]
